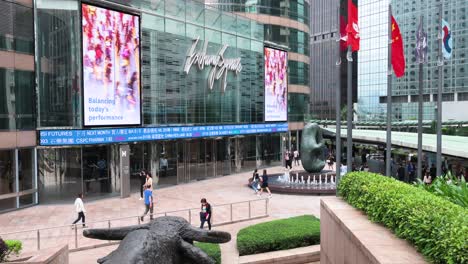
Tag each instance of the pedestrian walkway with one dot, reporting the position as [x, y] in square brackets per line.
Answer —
[227, 189]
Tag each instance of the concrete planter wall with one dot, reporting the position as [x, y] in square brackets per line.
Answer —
[55, 255]
[347, 236]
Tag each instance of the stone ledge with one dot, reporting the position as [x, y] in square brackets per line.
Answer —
[54, 255]
[290, 256]
[347, 234]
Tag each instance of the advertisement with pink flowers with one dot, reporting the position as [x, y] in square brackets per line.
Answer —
[276, 84]
[111, 67]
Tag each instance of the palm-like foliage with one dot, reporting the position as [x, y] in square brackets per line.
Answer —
[448, 187]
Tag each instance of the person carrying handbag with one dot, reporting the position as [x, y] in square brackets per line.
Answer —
[205, 214]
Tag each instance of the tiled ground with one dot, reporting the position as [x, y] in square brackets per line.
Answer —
[222, 190]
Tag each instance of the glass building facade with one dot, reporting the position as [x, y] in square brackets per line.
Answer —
[46, 95]
[286, 25]
[372, 82]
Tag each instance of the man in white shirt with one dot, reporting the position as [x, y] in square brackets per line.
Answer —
[296, 157]
[79, 207]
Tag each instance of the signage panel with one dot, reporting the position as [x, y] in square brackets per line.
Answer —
[111, 67]
[276, 85]
[116, 135]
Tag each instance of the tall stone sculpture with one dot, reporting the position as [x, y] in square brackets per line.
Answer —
[165, 240]
[312, 145]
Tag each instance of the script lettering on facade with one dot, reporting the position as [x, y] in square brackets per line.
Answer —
[219, 65]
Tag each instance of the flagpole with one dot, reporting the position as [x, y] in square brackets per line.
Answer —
[439, 98]
[338, 103]
[349, 121]
[420, 110]
[389, 96]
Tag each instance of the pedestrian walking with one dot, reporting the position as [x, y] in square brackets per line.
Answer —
[296, 157]
[80, 209]
[264, 184]
[253, 182]
[148, 193]
[205, 214]
[142, 183]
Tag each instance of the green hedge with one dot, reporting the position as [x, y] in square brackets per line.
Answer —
[436, 227]
[281, 234]
[213, 250]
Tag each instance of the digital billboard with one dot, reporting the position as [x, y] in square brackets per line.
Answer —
[111, 67]
[276, 84]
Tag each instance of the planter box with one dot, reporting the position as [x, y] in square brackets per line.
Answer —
[291, 256]
[347, 236]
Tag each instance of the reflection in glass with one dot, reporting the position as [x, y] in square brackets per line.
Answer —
[58, 63]
[59, 174]
[25, 169]
[7, 171]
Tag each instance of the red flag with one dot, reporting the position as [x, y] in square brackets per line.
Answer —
[343, 35]
[352, 28]
[398, 54]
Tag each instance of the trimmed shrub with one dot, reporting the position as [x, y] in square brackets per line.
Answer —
[436, 227]
[213, 250]
[280, 234]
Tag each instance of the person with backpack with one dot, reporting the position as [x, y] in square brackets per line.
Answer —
[264, 184]
[205, 214]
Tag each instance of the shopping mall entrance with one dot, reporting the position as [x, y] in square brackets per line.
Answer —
[95, 170]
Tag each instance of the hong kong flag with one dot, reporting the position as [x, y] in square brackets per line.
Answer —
[352, 28]
[398, 54]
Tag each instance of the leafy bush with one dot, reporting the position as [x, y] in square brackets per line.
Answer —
[213, 250]
[436, 227]
[9, 246]
[448, 187]
[14, 246]
[280, 234]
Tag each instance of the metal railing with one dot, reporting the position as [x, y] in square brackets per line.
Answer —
[223, 214]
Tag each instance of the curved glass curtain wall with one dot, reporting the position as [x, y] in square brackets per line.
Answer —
[296, 40]
[294, 9]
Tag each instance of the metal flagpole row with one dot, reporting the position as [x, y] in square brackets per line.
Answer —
[388, 158]
[338, 101]
[439, 98]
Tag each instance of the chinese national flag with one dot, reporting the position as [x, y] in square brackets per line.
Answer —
[352, 28]
[398, 54]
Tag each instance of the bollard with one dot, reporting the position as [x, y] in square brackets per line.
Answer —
[38, 240]
[249, 211]
[76, 236]
[108, 226]
[190, 216]
[139, 221]
[231, 213]
[266, 206]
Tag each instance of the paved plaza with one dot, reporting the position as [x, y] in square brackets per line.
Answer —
[222, 190]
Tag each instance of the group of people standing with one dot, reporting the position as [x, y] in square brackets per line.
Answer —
[289, 157]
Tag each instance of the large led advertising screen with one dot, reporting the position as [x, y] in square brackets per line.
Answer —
[276, 84]
[111, 67]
